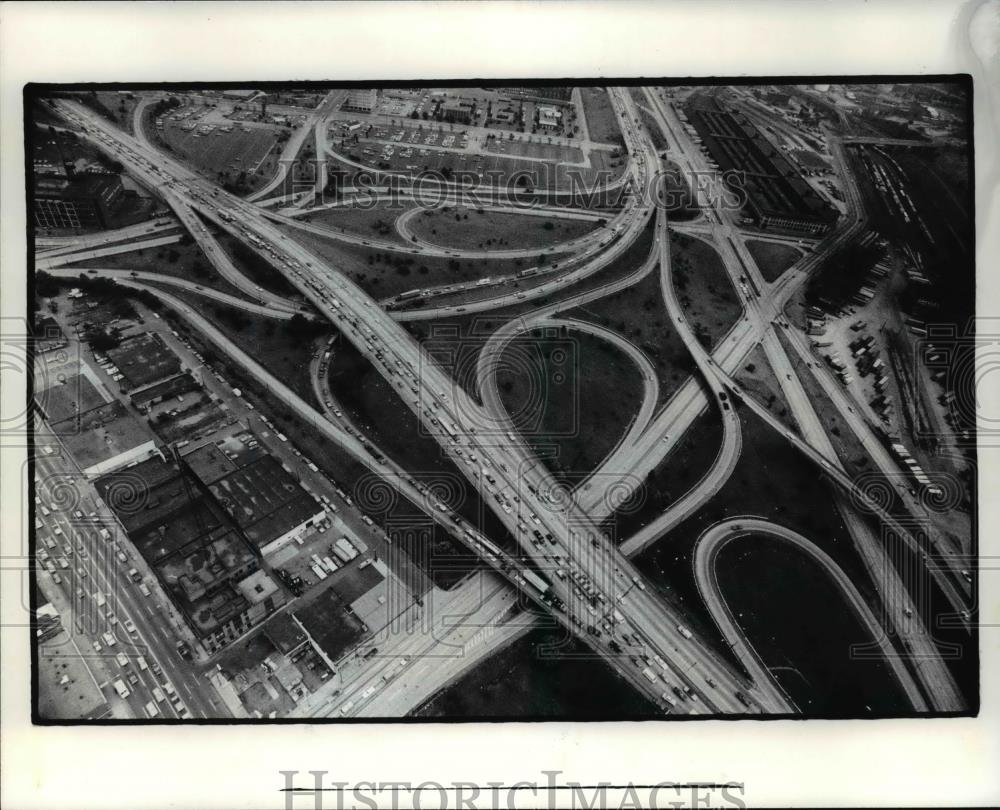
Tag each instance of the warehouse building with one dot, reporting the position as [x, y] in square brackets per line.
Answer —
[78, 201]
[776, 197]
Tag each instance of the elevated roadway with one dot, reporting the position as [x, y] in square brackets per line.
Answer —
[705, 556]
[578, 545]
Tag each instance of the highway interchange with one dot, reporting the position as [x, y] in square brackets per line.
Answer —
[480, 438]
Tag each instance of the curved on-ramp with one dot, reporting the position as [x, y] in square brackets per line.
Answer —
[706, 552]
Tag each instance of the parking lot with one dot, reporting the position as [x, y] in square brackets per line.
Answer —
[444, 149]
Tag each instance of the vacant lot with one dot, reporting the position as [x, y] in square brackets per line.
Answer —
[571, 395]
[540, 148]
[703, 288]
[638, 313]
[602, 123]
[473, 228]
[773, 259]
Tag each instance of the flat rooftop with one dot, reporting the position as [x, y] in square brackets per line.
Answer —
[159, 512]
[199, 567]
[213, 461]
[171, 387]
[68, 397]
[144, 359]
[330, 624]
[263, 499]
[102, 433]
[284, 633]
[773, 186]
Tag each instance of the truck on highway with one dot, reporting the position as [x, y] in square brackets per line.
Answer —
[99, 599]
[121, 689]
[649, 675]
[536, 581]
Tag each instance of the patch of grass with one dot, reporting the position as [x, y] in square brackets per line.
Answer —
[383, 274]
[377, 220]
[254, 266]
[375, 406]
[757, 378]
[846, 444]
[602, 123]
[669, 480]
[703, 288]
[183, 259]
[490, 230]
[638, 313]
[772, 480]
[571, 395]
[772, 258]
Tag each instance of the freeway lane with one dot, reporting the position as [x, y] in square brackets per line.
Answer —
[172, 281]
[294, 144]
[55, 245]
[654, 622]
[935, 678]
[717, 537]
[61, 258]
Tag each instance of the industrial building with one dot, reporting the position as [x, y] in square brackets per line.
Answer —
[104, 438]
[776, 197]
[78, 201]
[255, 490]
[198, 555]
[144, 360]
[156, 393]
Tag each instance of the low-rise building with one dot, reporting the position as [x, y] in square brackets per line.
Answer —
[458, 110]
[77, 201]
[106, 438]
[360, 100]
[144, 360]
[549, 117]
